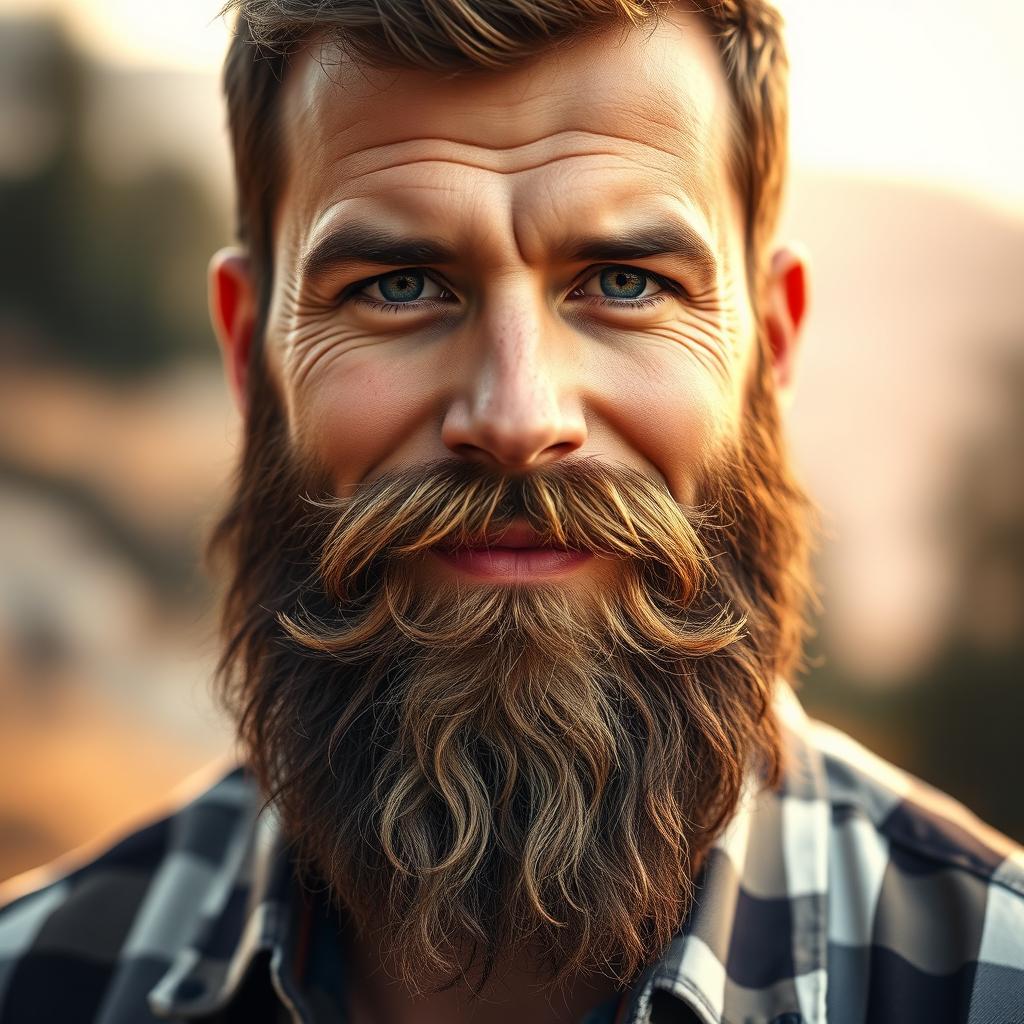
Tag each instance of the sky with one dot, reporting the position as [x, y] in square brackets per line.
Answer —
[918, 89]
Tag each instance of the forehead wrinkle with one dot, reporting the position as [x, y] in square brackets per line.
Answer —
[685, 117]
[658, 114]
[693, 142]
[501, 171]
[657, 178]
[546, 138]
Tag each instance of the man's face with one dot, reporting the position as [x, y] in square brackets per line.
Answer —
[588, 293]
[511, 294]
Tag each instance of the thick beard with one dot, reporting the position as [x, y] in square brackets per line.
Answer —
[479, 772]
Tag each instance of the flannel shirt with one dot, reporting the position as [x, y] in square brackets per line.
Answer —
[854, 894]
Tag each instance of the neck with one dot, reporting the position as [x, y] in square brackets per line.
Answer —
[514, 993]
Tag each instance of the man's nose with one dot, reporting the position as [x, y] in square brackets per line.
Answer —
[515, 406]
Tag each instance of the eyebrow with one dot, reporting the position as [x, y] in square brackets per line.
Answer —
[365, 243]
[359, 242]
[663, 239]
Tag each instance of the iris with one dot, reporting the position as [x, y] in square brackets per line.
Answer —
[622, 282]
[404, 286]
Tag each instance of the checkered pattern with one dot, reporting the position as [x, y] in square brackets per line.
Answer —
[854, 895]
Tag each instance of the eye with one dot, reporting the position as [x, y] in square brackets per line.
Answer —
[402, 286]
[621, 284]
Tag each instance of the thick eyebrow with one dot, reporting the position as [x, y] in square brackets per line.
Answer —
[359, 242]
[667, 239]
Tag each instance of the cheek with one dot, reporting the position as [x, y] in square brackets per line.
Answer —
[671, 410]
[356, 414]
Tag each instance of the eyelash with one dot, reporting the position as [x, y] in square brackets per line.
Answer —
[352, 293]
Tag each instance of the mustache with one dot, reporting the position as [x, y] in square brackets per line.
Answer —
[368, 540]
[580, 504]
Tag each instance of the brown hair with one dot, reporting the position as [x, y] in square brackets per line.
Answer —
[462, 35]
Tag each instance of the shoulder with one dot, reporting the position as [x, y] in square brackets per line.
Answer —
[98, 929]
[926, 901]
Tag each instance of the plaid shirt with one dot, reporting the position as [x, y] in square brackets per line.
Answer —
[854, 895]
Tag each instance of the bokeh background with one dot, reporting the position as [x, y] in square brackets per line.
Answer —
[117, 436]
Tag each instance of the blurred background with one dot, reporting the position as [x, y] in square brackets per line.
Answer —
[117, 436]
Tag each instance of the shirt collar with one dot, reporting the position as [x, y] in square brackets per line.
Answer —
[753, 949]
[247, 911]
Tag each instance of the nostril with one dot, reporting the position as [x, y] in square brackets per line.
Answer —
[471, 451]
[562, 448]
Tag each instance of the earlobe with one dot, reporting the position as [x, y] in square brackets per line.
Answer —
[233, 313]
[785, 310]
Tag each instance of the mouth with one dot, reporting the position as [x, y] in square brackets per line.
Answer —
[515, 554]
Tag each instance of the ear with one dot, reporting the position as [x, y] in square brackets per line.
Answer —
[233, 312]
[785, 307]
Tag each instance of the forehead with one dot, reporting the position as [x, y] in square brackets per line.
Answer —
[628, 117]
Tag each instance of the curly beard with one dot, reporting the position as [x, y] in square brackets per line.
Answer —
[479, 771]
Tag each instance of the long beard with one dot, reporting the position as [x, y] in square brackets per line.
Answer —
[481, 771]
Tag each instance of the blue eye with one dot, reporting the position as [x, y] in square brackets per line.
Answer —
[413, 288]
[622, 282]
[624, 287]
[403, 286]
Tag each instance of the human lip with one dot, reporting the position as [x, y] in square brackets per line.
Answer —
[513, 554]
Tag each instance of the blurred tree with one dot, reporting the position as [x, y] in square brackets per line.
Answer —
[107, 276]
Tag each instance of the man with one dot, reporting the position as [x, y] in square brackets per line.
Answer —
[517, 570]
